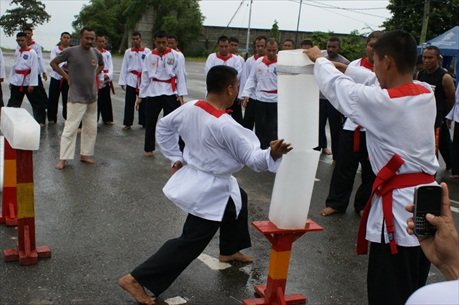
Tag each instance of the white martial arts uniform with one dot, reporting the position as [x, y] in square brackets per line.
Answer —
[24, 71]
[247, 68]
[443, 293]
[231, 60]
[396, 122]
[131, 68]
[54, 52]
[202, 187]
[262, 81]
[107, 71]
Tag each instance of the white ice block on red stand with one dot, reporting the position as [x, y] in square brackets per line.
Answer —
[20, 128]
[298, 121]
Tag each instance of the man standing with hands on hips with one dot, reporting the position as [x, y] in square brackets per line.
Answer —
[84, 64]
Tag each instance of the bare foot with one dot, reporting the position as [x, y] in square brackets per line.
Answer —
[328, 211]
[148, 154]
[326, 151]
[136, 290]
[238, 256]
[127, 127]
[87, 159]
[60, 164]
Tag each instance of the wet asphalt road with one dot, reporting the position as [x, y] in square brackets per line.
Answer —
[101, 220]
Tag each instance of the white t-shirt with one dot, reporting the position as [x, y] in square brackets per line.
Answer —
[443, 293]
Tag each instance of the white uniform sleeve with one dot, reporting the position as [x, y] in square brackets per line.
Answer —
[145, 80]
[180, 74]
[245, 147]
[251, 82]
[209, 64]
[167, 136]
[41, 64]
[109, 66]
[124, 69]
[33, 80]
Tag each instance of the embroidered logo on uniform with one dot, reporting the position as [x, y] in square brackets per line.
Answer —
[275, 71]
[170, 61]
[143, 56]
[153, 64]
[25, 56]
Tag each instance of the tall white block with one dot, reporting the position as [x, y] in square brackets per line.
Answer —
[298, 122]
[20, 128]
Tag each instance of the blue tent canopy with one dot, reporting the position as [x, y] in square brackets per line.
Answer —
[448, 43]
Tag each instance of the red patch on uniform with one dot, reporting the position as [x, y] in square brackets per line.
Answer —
[209, 108]
[409, 89]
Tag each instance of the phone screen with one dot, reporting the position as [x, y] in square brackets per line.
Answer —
[427, 200]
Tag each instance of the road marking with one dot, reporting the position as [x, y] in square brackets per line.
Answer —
[175, 301]
[213, 263]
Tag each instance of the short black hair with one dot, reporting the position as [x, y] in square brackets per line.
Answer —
[233, 39]
[219, 77]
[172, 37]
[27, 28]
[136, 33]
[288, 39]
[336, 39]
[222, 38]
[100, 35]
[65, 33]
[21, 34]
[433, 48]
[160, 34]
[374, 35]
[261, 37]
[307, 42]
[86, 29]
[272, 41]
[399, 45]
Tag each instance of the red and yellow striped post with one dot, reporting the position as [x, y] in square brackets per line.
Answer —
[27, 253]
[273, 293]
[9, 208]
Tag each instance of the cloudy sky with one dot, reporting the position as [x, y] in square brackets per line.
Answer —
[325, 15]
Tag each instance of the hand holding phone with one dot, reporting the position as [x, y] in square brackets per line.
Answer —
[427, 199]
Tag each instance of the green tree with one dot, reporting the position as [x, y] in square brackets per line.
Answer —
[408, 14]
[27, 12]
[182, 18]
[353, 45]
[275, 33]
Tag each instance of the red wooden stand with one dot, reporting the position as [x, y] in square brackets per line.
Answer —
[9, 204]
[273, 293]
[26, 252]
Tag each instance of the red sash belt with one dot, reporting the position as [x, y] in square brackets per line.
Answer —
[110, 83]
[171, 81]
[386, 181]
[24, 74]
[270, 91]
[357, 138]
[139, 75]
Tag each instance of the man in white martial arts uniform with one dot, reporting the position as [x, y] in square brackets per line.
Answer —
[224, 57]
[202, 183]
[105, 83]
[398, 115]
[262, 82]
[162, 88]
[130, 79]
[248, 121]
[2, 76]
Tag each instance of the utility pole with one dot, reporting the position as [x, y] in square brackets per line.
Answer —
[298, 23]
[248, 28]
[425, 21]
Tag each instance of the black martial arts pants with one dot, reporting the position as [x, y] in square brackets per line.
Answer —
[153, 107]
[104, 105]
[346, 166]
[335, 120]
[129, 107]
[249, 115]
[1, 96]
[445, 145]
[56, 88]
[159, 271]
[266, 122]
[236, 111]
[41, 93]
[391, 279]
[38, 108]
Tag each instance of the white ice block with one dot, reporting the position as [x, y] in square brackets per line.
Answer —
[20, 128]
[293, 189]
[298, 122]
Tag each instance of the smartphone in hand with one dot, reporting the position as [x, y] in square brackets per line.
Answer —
[427, 199]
